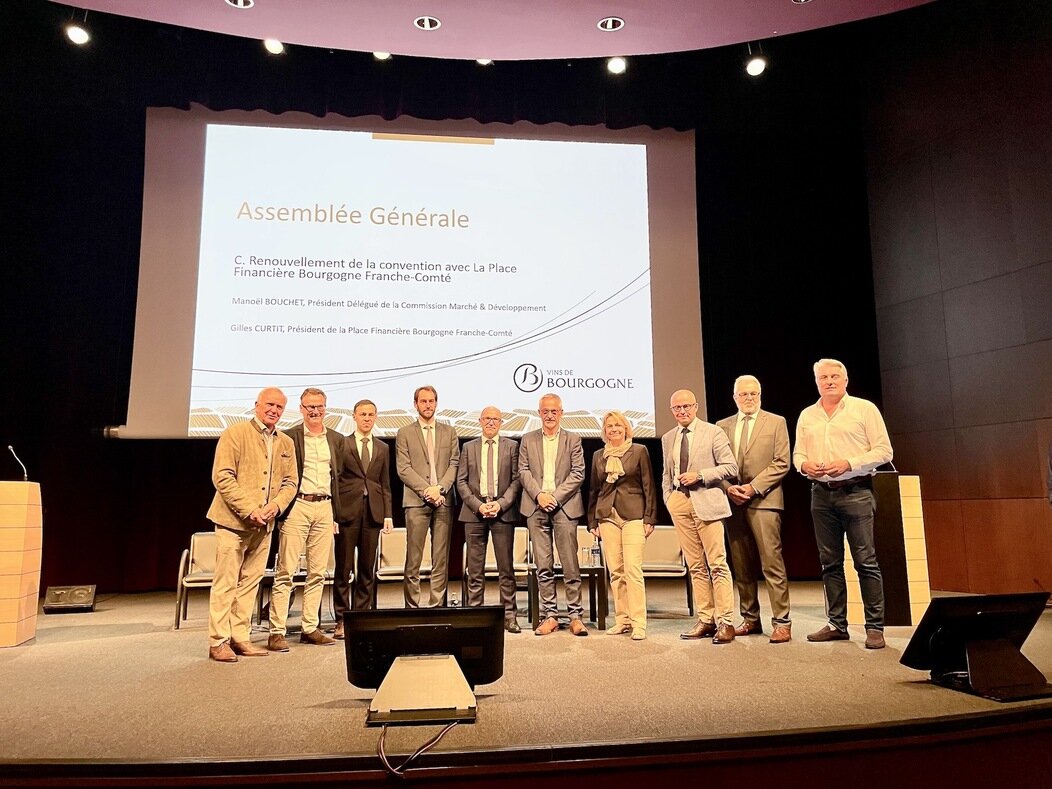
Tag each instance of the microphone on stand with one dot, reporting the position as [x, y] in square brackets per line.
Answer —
[25, 474]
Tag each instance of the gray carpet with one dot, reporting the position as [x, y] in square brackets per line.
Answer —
[120, 683]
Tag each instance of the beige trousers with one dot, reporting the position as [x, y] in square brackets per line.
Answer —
[309, 525]
[241, 558]
[705, 552]
[623, 548]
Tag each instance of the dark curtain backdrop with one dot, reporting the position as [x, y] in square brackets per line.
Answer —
[783, 234]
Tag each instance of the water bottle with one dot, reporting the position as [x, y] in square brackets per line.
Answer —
[597, 554]
[454, 601]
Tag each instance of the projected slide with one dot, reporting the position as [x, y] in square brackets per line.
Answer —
[368, 264]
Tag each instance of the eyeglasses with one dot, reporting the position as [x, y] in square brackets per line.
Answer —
[492, 419]
[684, 407]
[313, 408]
[745, 395]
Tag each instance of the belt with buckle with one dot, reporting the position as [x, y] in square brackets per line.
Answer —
[313, 496]
[862, 482]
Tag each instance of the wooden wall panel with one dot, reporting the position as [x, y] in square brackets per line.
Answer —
[1028, 147]
[984, 316]
[911, 332]
[947, 550]
[972, 205]
[1009, 545]
[1010, 385]
[996, 461]
[902, 232]
[1035, 286]
[916, 398]
[933, 457]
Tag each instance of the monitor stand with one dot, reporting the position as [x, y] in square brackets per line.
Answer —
[422, 690]
[998, 670]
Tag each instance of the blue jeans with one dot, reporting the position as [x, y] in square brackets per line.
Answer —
[836, 513]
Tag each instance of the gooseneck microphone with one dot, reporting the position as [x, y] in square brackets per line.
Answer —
[25, 474]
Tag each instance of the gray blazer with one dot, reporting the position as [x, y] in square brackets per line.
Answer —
[766, 460]
[508, 485]
[712, 458]
[569, 472]
[412, 466]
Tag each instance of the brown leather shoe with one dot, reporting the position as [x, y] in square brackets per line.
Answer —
[781, 634]
[749, 629]
[277, 643]
[700, 630]
[548, 626]
[338, 632]
[724, 635]
[317, 638]
[874, 639]
[577, 627]
[512, 626]
[828, 633]
[247, 649]
[222, 653]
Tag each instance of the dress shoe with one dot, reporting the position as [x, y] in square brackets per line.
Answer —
[874, 639]
[247, 649]
[577, 627]
[512, 626]
[317, 638]
[639, 634]
[618, 630]
[749, 629]
[724, 635]
[781, 634]
[222, 653]
[829, 633]
[338, 632]
[548, 626]
[277, 643]
[700, 630]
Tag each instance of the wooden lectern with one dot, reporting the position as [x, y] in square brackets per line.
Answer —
[20, 551]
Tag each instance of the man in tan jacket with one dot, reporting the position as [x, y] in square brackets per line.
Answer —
[255, 477]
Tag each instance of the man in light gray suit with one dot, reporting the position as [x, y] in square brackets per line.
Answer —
[697, 458]
[551, 470]
[760, 441]
[427, 453]
[488, 485]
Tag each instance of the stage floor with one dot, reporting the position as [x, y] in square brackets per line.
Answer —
[121, 684]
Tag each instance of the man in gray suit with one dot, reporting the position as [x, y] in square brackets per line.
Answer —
[760, 441]
[488, 485]
[551, 470]
[697, 458]
[427, 453]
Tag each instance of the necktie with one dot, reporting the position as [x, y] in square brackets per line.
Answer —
[743, 443]
[430, 442]
[365, 459]
[491, 477]
[684, 450]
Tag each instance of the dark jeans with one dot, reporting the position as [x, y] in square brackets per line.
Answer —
[848, 511]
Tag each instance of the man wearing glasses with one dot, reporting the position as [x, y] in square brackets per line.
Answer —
[760, 441]
[551, 470]
[488, 484]
[697, 460]
[308, 524]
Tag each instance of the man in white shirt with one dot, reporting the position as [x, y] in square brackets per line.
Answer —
[840, 442]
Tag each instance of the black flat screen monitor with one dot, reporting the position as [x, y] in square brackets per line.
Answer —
[474, 636]
[972, 642]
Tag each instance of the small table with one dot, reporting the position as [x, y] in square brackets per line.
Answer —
[598, 602]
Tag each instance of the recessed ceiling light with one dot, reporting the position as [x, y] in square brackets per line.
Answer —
[273, 46]
[616, 65]
[242, 4]
[382, 55]
[427, 23]
[484, 62]
[801, 2]
[610, 24]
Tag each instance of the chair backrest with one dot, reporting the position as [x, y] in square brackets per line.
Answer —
[662, 554]
[391, 562]
[520, 550]
[202, 552]
[584, 540]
